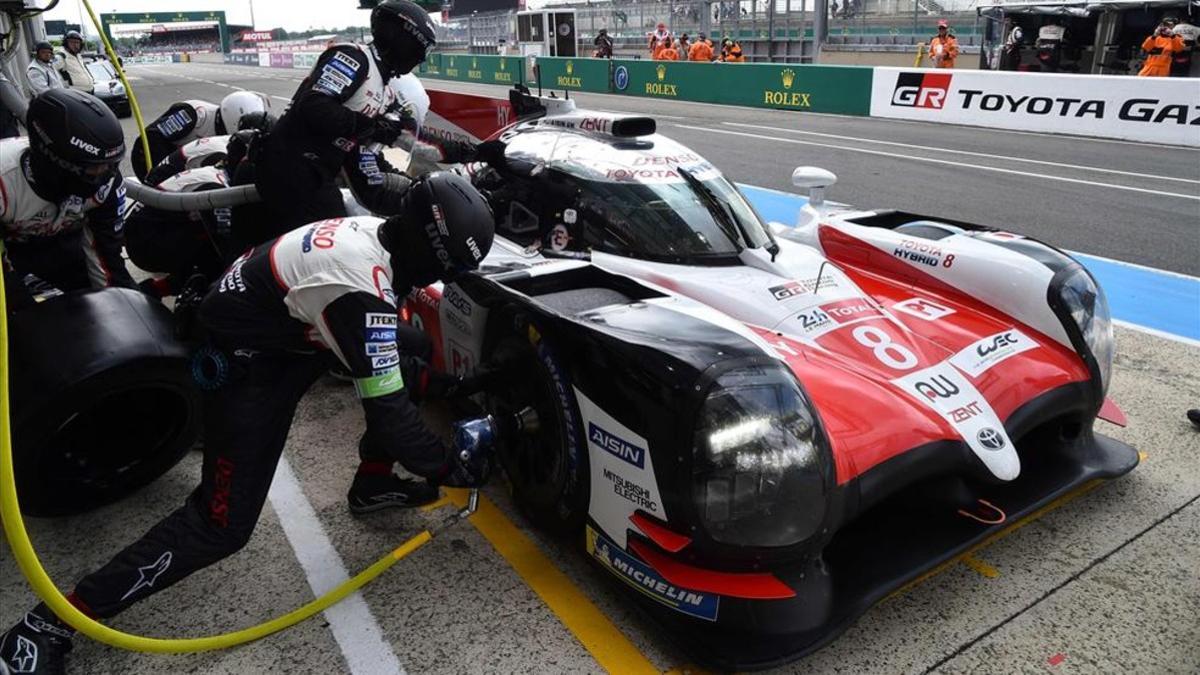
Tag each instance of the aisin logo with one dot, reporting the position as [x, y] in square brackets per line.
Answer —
[661, 71]
[922, 90]
[788, 76]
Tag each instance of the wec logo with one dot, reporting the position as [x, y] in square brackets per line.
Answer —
[921, 90]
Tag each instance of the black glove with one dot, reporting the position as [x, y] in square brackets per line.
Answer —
[491, 152]
[386, 131]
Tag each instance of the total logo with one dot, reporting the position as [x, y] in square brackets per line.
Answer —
[922, 90]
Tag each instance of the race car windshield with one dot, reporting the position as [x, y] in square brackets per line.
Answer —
[679, 220]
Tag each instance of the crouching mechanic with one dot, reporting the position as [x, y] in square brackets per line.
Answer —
[275, 320]
[187, 121]
[61, 197]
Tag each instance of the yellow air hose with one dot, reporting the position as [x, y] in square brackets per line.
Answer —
[43, 586]
[133, 102]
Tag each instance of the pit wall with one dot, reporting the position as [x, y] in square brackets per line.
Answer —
[1157, 110]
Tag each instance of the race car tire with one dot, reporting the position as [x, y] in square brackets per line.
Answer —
[546, 488]
[102, 399]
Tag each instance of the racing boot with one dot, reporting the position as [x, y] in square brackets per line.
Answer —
[39, 643]
[375, 487]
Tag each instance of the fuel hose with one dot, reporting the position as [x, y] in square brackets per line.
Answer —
[44, 587]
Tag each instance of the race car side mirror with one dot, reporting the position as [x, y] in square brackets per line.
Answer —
[815, 180]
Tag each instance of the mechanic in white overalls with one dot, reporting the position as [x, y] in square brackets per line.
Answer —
[189, 120]
[61, 197]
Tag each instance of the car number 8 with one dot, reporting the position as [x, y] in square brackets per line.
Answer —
[889, 353]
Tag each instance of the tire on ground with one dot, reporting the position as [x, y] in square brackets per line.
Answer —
[102, 399]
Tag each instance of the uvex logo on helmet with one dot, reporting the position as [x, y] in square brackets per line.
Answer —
[921, 90]
[439, 246]
[84, 145]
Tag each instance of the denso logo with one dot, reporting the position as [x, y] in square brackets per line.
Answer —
[80, 143]
[619, 448]
[921, 90]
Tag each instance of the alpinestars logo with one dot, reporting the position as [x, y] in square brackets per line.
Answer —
[922, 90]
[25, 657]
[149, 574]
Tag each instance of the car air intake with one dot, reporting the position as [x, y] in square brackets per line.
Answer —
[632, 127]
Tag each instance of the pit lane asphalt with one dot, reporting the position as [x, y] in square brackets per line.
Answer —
[1105, 582]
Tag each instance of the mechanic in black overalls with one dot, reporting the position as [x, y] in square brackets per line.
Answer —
[275, 321]
[339, 107]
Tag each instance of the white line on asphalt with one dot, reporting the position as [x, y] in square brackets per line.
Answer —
[353, 625]
[914, 158]
[941, 149]
[1157, 333]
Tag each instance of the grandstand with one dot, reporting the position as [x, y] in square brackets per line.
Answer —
[194, 37]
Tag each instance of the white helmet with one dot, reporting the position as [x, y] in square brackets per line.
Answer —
[411, 97]
[241, 103]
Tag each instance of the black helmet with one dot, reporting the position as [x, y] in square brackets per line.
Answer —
[76, 140]
[72, 34]
[403, 34]
[257, 121]
[444, 228]
[42, 45]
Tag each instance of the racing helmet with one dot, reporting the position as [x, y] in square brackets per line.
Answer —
[411, 97]
[236, 105]
[72, 35]
[444, 228]
[403, 34]
[256, 121]
[76, 141]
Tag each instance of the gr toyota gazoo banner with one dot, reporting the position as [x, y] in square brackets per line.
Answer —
[1160, 110]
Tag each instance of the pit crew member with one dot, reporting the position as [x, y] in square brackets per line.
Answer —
[276, 320]
[61, 197]
[186, 121]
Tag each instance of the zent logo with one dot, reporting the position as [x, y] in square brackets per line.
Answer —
[616, 446]
[922, 90]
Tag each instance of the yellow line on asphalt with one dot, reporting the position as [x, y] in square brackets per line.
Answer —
[980, 566]
[608, 645]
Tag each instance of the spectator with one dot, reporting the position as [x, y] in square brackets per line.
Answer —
[833, 9]
[1181, 62]
[1159, 48]
[41, 73]
[604, 45]
[660, 39]
[669, 52]
[731, 51]
[943, 48]
[1049, 44]
[701, 49]
[71, 66]
[1010, 57]
[685, 43]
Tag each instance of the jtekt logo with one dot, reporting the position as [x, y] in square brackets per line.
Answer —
[921, 90]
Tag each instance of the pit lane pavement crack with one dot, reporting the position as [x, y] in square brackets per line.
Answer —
[965, 646]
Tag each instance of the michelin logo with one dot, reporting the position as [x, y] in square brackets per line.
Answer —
[616, 446]
[642, 577]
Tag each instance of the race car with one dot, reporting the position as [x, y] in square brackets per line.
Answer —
[760, 430]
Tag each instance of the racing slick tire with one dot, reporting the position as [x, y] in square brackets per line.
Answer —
[549, 482]
[102, 399]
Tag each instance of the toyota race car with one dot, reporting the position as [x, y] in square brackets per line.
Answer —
[761, 430]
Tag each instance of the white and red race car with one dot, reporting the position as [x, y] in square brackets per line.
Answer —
[761, 429]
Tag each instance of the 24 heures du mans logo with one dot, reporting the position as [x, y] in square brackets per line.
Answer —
[922, 90]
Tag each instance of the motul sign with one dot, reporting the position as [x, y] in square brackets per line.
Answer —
[260, 36]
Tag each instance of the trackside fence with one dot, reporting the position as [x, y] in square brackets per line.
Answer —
[1158, 110]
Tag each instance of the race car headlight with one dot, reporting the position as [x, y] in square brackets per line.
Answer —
[1083, 300]
[760, 463]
